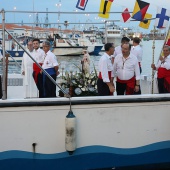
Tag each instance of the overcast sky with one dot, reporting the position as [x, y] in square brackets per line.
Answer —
[70, 6]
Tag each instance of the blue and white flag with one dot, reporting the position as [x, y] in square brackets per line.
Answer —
[162, 17]
[81, 4]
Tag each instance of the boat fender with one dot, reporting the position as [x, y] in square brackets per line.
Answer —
[70, 133]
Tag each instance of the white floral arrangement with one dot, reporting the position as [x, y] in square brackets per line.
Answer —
[80, 84]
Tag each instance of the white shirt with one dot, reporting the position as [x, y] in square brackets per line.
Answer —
[39, 55]
[166, 64]
[137, 51]
[126, 68]
[118, 50]
[105, 65]
[50, 60]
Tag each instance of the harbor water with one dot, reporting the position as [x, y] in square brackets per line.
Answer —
[70, 63]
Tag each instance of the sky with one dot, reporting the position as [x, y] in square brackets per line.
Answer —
[70, 6]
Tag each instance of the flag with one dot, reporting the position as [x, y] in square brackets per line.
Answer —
[125, 16]
[146, 23]
[105, 6]
[140, 10]
[81, 4]
[162, 17]
[168, 38]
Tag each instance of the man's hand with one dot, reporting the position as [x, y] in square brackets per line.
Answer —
[57, 73]
[153, 66]
[111, 88]
[23, 73]
[136, 88]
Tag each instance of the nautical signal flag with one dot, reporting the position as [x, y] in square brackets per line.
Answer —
[105, 6]
[168, 38]
[81, 4]
[140, 10]
[146, 23]
[162, 17]
[125, 16]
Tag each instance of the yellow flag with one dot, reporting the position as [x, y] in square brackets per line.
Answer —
[105, 6]
[146, 24]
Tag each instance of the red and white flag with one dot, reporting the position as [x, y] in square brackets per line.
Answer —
[125, 16]
[81, 4]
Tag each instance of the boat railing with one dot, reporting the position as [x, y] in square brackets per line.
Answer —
[5, 62]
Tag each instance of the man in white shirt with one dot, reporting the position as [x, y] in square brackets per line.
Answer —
[118, 49]
[163, 68]
[50, 65]
[126, 69]
[105, 84]
[30, 88]
[137, 51]
[38, 55]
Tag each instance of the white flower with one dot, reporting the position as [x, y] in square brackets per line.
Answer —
[87, 75]
[83, 89]
[93, 83]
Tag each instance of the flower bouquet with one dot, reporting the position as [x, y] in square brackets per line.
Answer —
[79, 83]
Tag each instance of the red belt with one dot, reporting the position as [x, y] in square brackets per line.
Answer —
[36, 70]
[130, 85]
[109, 75]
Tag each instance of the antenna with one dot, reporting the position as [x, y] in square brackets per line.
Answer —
[37, 21]
[46, 24]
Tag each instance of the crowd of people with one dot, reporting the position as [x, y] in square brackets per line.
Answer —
[123, 63]
[36, 83]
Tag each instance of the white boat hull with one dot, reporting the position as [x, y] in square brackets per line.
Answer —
[111, 132]
[67, 51]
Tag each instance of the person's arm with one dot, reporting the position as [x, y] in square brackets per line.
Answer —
[23, 65]
[137, 74]
[105, 76]
[140, 54]
[55, 64]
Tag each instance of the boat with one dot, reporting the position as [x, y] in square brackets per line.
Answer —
[110, 133]
[113, 34]
[13, 50]
[63, 46]
[95, 38]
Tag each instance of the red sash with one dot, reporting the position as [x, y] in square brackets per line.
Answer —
[109, 75]
[139, 64]
[36, 70]
[130, 85]
[164, 73]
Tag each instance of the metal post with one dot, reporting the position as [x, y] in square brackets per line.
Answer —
[105, 32]
[153, 56]
[4, 78]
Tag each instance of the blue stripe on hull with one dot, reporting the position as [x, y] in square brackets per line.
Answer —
[96, 51]
[92, 157]
[15, 53]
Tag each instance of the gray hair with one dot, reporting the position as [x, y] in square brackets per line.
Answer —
[47, 43]
[167, 46]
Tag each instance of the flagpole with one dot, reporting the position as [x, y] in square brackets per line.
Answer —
[153, 56]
